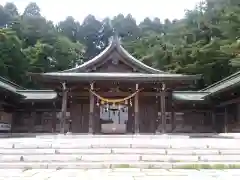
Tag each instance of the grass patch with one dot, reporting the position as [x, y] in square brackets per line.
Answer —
[207, 166]
[123, 166]
[174, 161]
[59, 168]
[26, 169]
[175, 166]
[234, 166]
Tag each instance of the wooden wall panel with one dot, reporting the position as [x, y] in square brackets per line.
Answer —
[76, 116]
[148, 114]
[85, 118]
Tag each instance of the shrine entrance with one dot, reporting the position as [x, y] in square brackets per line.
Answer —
[114, 119]
[114, 113]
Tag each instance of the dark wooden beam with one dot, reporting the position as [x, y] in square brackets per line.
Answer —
[103, 84]
[115, 94]
[38, 110]
[233, 101]
[197, 111]
[8, 104]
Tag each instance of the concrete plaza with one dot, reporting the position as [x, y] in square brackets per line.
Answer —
[118, 174]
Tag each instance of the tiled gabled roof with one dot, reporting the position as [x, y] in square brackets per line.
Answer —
[23, 93]
[189, 95]
[227, 83]
[115, 45]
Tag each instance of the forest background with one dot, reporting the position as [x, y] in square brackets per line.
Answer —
[206, 41]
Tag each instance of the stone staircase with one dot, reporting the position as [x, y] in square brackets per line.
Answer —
[116, 151]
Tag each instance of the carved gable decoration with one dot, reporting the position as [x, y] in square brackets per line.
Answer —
[113, 65]
[115, 61]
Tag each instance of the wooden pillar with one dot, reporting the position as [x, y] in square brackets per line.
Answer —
[130, 121]
[64, 108]
[91, 111]
[136, 111]
[163, 108]
[225, 120]
[97, 123]
[205, 119]
[173, 118]
[54, 118]
[82, 118]
[213, 117]
[14, 117]
[54, 121]
[31, 123]
[154, 111]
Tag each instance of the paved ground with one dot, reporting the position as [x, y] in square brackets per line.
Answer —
[175, 135]
[57, 150]
[118, 174]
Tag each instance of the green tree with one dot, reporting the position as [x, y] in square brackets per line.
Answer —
[32, 9]
[205, 41]
[12, 61]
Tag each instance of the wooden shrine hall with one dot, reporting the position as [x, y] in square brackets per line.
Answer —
[116, 93]
[116, 81]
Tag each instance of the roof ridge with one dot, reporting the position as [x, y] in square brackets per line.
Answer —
[91, 60]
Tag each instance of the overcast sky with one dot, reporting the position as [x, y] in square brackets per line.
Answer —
[57, 10]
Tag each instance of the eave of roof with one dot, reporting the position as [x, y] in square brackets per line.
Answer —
[227, 83]
[88, 77]
[12, 84]
[25, 94]
[189, 95]
[9, 86]
[38, 94]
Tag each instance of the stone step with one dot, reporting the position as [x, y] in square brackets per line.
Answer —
[118, 144]
[118, 158]
[142, 151]
[118, 151]
[121, 143]
[80, 146]
[117, 174]
[186, 136]
[152, 136]
[112, 165]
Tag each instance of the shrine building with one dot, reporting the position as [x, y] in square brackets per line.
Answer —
[116, 93]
